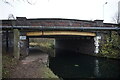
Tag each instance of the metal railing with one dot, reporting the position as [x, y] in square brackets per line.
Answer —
[45, 28]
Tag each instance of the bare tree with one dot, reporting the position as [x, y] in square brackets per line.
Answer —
[11, 17]
[28, 1]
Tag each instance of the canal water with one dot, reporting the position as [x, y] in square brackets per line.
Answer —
[68, 64]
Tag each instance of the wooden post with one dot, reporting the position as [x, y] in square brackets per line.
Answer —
[110, 36]
[28, 43]
[54, 52]
[7, 48]
[119, 41]
[16, 44]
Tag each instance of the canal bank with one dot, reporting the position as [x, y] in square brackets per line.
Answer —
[33, 66]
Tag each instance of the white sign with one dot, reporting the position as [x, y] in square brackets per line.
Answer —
[22, 37]
[96, 39]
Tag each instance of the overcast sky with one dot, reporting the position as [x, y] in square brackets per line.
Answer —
[71, 9]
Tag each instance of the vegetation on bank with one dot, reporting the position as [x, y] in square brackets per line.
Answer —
[8, 64]
[110, 48]
[46, 45]
[47, 73]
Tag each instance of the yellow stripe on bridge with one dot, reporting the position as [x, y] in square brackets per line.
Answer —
[49, 33]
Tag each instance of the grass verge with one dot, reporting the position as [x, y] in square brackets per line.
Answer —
[8, 63]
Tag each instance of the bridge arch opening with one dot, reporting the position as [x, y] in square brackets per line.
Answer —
[54, 45]
[41, 46]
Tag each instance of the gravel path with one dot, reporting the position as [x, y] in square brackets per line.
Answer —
[31, 66]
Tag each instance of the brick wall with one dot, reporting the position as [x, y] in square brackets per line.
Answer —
[22, 21]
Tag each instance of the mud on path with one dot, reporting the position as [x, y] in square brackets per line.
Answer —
[32, 66]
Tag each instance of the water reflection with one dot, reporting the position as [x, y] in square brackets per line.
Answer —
[76, 65]
[96, 69]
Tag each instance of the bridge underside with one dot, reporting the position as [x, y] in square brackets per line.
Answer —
[84, 45]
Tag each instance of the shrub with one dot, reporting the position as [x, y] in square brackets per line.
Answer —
[111, 48]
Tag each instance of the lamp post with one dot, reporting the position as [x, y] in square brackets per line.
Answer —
[103, 8]
[118, 12]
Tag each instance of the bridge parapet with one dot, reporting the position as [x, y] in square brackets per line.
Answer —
[23, 21]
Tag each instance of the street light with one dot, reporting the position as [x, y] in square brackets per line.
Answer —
[118, 12]
[103, 8]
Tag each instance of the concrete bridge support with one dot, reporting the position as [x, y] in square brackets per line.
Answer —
[16, 53]
[83, 45]
[20, 45]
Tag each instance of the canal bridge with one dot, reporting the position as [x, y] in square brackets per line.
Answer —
[74, 35]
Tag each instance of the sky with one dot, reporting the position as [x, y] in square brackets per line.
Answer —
[70, 9]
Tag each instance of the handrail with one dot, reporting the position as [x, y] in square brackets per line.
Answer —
[45, 28]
